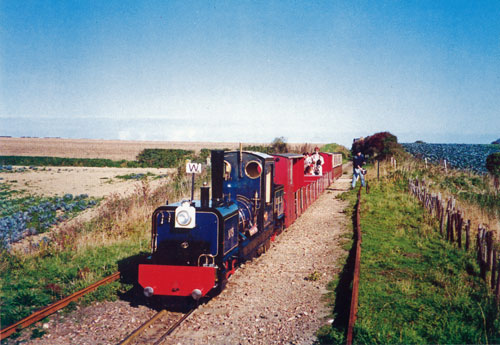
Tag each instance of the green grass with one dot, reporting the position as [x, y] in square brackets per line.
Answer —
[135, 176]
[415, 288]
[34, 282]
[60, 161]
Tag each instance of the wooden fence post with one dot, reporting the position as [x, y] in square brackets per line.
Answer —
[480, 253]
[467, 235]
[452, 225]
[448, 225]
[489, 249]
[441, 218]
[497, 287]
[493, 269]
[459, 229]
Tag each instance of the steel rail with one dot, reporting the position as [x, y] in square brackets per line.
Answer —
[130, 338]
[141, 329]
[174, 327]
[52, 308]
[355, 280]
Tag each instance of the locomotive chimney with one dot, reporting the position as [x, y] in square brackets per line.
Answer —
[205, 195]
[217, 175]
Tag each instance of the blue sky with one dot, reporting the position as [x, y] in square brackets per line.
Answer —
[313, 71]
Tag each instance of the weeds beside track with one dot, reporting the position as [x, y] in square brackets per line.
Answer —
[42, 313]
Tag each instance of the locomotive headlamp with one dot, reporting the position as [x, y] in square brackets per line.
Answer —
[185, 216]
[196, 294]
[148, 291]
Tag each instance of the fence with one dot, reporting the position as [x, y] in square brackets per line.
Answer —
[353, 311]
[453, 227]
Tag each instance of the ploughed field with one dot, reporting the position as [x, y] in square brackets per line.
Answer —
[92, 148]
[458, 156]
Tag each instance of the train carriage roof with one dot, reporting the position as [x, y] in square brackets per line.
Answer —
[288, 155]
[258, 154]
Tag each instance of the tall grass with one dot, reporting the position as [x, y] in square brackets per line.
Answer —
[475, 192]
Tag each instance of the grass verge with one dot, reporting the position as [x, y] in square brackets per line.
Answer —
[33, 282]
[414, 286]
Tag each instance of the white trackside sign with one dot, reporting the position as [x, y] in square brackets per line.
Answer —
[193, 168]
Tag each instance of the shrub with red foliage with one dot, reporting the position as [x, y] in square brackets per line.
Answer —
[380, 145]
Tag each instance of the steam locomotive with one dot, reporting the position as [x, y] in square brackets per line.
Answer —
[198, 244]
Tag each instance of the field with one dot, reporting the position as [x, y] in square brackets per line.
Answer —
[90, 148]
[96, 182]
[459, 156]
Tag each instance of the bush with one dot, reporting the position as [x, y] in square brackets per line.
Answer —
[381, 145]
[60, 161]
[279, 145]
[493, 164]
[257, 148]
[163, 158]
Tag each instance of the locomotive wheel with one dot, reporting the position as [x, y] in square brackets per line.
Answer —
[220, 286]
[267, 245]
[264, 247]
[280, 228]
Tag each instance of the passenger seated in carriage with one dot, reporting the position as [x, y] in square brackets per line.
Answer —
[317, 161]
[309, 171]
[307, 160]
[318, 168]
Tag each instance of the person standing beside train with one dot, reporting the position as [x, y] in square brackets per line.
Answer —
[357, 166]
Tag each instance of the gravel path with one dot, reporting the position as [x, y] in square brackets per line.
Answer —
[267, 301]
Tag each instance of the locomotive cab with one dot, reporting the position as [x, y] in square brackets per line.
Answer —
[250, 182]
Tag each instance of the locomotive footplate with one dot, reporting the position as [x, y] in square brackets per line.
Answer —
[177, 280]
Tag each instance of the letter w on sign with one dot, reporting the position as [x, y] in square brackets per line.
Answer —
[193, 168]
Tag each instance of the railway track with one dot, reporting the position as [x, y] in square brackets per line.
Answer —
[52, 308]
[158, 335]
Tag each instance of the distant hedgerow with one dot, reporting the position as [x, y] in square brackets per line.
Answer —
[163, 158]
